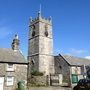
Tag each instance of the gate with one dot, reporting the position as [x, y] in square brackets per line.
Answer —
[54, 80]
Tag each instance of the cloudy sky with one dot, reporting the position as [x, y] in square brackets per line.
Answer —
[71, 24]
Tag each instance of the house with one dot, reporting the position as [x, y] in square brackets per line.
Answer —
[72, 68]
[13, 66]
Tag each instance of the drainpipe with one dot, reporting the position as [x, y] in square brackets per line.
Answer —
[70, 77]
[85, 74]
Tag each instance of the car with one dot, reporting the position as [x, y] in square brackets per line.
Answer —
[83, 84]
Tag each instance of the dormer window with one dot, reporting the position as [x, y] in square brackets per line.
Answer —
[10, 67]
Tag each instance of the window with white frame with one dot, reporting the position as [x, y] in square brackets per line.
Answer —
[73, 70]
[76, 70]
[10, 67]
[10, 80]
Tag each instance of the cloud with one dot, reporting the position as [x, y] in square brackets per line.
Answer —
[68, 54]
[87, 57]
[4, 32]
[77, 51]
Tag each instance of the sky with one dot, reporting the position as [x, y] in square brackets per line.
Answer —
[71, 24]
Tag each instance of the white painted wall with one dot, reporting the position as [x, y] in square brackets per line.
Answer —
[1, 83]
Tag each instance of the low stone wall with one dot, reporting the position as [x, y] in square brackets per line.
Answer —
[39, 81]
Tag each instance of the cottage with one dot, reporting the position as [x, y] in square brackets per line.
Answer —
[72, 68]
[13, 66]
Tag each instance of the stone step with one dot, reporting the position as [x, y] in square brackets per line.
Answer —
[55, 84]
[55, 81]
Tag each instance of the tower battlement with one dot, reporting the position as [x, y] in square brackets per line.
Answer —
[41, 19]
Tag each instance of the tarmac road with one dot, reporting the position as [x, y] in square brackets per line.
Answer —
[49, 88]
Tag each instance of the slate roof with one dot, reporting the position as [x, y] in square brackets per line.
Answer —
[9, 55]
[72, 60]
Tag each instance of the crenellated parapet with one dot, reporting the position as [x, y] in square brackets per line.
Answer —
[40, 18]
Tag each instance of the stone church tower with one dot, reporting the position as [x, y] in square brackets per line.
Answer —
[40, 50]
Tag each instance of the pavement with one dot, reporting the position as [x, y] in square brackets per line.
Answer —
[50, 88]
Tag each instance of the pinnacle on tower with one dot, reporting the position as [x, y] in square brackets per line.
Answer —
[50, 18]
[39, 13]
[15, 43]
[16, 36]
[30, 19]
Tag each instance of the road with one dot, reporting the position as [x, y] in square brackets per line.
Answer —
[49, 88]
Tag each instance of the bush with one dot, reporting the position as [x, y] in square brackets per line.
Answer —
[65, 80]
[36, 73]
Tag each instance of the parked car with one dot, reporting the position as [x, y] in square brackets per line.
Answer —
[83, 84]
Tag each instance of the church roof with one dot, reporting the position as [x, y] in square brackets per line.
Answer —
[9, 55]
[73, 60]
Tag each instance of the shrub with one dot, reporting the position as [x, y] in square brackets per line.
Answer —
[65, 80]
[36, 73]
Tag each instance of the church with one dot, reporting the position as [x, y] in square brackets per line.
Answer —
[40, 53]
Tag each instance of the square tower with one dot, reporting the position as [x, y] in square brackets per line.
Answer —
[40, 50]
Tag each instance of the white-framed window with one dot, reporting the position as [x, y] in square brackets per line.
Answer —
[73, 70]
[10, 80]
[10, 67]
[76, 70]
[79, 70]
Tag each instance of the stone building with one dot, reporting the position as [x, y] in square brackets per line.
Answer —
[13, 66]
[40, 50]
[72, 68]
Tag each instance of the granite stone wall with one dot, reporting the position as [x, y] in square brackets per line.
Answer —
[40, 48]
[39, 81]
[62, 67]
[19, 73]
